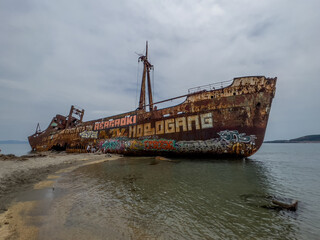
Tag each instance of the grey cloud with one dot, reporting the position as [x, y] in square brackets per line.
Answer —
[58, 53]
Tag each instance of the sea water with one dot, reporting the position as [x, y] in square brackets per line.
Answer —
[140, 198]
[16, 149]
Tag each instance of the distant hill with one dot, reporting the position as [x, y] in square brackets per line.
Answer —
[12, 142]
[305, 139]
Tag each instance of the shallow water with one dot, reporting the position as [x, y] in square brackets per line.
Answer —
[138, 198]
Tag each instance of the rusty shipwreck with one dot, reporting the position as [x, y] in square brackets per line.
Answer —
[227, 119]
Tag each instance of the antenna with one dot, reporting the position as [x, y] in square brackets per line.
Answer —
[139, 54]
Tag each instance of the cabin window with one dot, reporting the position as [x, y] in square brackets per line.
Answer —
[180, 112]
[166, 115]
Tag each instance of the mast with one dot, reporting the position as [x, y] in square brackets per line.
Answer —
[147, 66]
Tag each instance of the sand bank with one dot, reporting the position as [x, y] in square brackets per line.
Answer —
[34, 171]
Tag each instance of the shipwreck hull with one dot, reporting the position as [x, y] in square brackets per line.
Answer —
[226, 122]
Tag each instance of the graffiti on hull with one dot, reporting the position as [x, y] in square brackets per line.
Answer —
[120, 145]
[113, 145]
[89, 134]
[230, 141]
[172, 125]
[125, 121]
[235, 136]
[162, 145]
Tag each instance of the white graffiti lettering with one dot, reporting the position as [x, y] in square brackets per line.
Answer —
[89, 134]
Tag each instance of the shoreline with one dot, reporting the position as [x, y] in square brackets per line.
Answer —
[36, 171]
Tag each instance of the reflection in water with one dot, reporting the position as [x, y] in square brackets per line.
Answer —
[131, 198]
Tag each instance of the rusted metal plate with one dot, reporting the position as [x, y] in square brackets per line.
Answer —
[230, 121]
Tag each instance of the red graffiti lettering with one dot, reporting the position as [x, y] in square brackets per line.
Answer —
[123, 121]
[129, 120]
[159, 145]
[117, 123]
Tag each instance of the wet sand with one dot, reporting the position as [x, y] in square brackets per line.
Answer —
[37, 171]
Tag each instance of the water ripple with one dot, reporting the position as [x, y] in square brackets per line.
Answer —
[132, 199]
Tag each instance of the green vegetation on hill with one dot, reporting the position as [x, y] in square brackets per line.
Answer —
[308, 138]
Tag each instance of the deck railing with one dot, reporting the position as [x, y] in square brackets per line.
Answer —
[209, 87]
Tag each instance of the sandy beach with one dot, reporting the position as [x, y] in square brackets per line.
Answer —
[34, 171]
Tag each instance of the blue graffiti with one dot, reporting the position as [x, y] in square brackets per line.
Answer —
[235, 136]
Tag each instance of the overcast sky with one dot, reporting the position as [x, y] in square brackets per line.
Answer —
[57, 53]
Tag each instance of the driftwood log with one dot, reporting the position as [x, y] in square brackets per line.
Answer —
[288, 206]
[271, 202]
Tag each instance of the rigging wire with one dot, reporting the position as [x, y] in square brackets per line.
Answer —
[153, 83]
[136, 98]
[138, 70]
